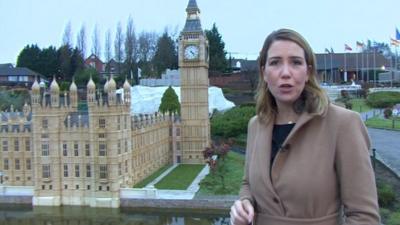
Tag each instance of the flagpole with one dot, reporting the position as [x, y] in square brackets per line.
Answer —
[391, 69]
[331, 69]
[356, 78]
[368, 65]
[362, 64]
[345, 68]
[374, 66]
[324, 77]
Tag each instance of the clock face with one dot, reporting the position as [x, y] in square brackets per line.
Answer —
[191, 52]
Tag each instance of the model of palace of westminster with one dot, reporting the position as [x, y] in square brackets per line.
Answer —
[71, 157]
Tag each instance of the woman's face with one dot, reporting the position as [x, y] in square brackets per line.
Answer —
[285, 71]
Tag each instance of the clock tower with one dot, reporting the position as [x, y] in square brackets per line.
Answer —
[193, 66]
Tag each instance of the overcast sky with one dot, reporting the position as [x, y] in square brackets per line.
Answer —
[243, 24]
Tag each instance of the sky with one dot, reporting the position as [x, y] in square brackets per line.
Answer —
[243, 24]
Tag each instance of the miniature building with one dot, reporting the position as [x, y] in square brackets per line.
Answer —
[74, 157]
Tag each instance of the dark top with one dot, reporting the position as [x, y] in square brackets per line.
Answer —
[279, 134]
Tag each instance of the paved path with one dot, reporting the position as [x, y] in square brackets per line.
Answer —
[165, 173]
[387, 145]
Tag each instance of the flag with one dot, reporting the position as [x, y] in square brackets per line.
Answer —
[346, 47]
[394, 42]
[359, 44]
[327, 50]
[397, 34]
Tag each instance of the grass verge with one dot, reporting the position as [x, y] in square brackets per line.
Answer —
[376, 122]
[212, 185]
[360, 105]
[149, 179]
[180, 178]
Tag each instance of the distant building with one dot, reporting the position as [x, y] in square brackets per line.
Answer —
[18, 76]
[95, 62]
[337, 68]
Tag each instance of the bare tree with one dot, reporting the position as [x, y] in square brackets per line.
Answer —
[81, 41]
[96, 47]
[130, 50]
[118, 42]
[147, 43]
[107, 49]
[67, 35]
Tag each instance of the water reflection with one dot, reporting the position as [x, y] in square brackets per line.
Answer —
[25, 215]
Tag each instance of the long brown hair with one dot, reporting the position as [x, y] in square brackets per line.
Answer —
[313, 99]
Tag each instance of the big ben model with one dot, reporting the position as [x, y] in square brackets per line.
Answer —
[193, 64]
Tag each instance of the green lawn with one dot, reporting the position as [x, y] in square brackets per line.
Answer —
[359, 105]
[149, 179]
[376, 122]
[180, 178]
[212, 185]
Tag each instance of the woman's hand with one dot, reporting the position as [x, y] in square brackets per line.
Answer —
[242, 212]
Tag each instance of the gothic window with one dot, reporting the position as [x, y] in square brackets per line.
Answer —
[28, 164]
[76, 149]
[126, 166]
[102, 135]
[125, 122]
[119, 147]
[102, 149]
[118, 123]
[46, 171]
[27, 145]
[178, 132]
[178, 146]
[16, 145]
[119, 169]
[45, 124]
[5, 145]
[17, 164]
[103, 171]
[45, 135]
[126, 146]
[102, 123]
[65, 149]
[76, 170]
[87, 149]
[45, 149]
[6, 165]
[88, 170]
[65, 170]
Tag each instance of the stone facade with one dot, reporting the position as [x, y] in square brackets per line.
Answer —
[74, 157]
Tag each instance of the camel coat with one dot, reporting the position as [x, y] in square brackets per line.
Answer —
[322, 174]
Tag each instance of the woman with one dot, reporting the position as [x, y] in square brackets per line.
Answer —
[307, 161]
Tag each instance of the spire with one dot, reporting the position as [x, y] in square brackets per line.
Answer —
[192, 24]
[91, 85]
[54, 85]
[73, 94]
[192, 7]
[73, 87]
[35, 86]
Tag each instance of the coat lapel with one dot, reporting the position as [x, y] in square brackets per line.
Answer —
[263, 156]
[283, 152]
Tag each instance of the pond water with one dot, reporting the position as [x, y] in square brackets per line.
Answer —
[26, 215]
